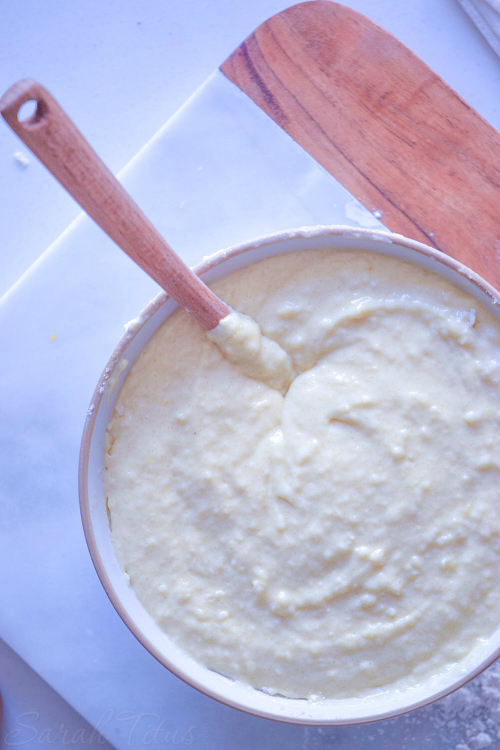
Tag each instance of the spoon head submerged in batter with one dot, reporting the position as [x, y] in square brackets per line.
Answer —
[242, 342]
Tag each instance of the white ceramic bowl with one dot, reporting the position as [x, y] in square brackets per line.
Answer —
[95, 520]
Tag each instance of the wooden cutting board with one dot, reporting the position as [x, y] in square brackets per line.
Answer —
[382, 123]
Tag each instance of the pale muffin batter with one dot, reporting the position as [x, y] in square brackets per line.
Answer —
[339, 539]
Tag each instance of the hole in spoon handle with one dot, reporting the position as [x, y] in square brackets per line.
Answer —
[13, 101]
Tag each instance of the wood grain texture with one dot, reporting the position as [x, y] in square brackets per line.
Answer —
[382, 123]
[54, 139]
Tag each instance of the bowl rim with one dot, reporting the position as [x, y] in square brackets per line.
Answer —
[151, 308]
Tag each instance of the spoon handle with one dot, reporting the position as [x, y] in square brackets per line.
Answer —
[54, 139]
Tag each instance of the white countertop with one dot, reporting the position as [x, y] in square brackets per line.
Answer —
[121, 69]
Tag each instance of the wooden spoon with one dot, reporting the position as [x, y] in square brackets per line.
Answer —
[54, 139]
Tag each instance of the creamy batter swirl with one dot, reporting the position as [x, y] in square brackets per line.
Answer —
[343, 538]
